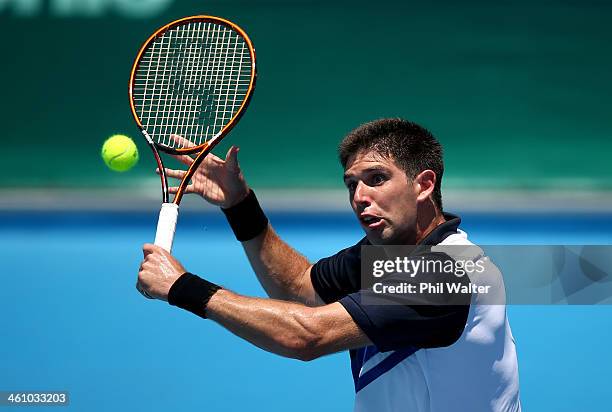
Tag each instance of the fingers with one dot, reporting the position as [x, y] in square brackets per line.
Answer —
[151, 253]
[181, 141]
[143, 292]
[231, 159]
[152, 248]
[147, 249]
[184, 159]
[189, 189]
[174, 173]
[186, 143]
[180, 174]
[212, 158]
[144, 273]
[209, 160]
[188, 160]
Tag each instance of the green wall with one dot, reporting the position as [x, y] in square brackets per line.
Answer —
[519, 93]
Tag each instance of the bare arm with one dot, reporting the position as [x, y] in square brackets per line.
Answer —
[285, 328]
[282, 271]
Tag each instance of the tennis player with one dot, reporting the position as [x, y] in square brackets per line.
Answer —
[404, 357]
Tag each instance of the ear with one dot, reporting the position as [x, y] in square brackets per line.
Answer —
[424, 183]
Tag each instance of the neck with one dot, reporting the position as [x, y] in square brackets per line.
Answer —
[429, 218]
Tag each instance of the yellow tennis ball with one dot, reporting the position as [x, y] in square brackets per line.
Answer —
[119, 153]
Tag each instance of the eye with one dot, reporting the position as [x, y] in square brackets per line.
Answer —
[351, 186]
[378, 179]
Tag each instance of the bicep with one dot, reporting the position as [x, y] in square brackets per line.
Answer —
[306, 290]
[334, 330]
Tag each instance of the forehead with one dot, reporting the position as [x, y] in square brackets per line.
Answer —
[367, 159]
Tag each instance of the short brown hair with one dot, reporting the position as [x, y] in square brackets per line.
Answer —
[411, 146]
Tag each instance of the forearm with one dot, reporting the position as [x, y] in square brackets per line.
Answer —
[281, 270]
[287, 329]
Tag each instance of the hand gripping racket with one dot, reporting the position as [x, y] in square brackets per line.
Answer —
[192, 78]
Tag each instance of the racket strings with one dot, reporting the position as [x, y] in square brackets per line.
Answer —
[191, 81]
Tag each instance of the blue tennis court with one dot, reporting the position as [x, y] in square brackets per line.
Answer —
[72, 319]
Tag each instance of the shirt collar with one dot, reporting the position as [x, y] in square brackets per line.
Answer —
[443, 230]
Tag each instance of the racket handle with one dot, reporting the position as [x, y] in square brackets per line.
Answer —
[166, 225]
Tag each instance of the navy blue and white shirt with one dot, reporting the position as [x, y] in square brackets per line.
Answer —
[426, 358]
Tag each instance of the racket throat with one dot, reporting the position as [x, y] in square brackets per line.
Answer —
[160, 165]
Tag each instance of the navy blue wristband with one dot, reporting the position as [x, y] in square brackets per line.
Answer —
[192, 293]
[246, 219]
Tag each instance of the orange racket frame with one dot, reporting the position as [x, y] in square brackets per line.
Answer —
[203, 149]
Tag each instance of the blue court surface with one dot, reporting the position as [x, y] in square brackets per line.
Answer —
[72, 320]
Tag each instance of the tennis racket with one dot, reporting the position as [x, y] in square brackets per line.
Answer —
[191, 82]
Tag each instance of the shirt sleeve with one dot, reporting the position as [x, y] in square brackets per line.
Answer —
[336, 276]
[393, 321]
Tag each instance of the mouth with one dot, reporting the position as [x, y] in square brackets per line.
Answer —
[370, 221]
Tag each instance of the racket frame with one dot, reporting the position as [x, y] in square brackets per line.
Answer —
[206, 147]
[169, 212]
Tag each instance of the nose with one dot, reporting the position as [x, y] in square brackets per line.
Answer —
[361, 196]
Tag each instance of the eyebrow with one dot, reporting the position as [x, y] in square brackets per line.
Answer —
[368, 170]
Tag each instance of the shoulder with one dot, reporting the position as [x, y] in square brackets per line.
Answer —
[338, 275]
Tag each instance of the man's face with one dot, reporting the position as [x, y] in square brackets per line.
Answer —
[382, 197]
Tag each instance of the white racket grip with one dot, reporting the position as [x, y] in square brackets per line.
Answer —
[166, 225]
